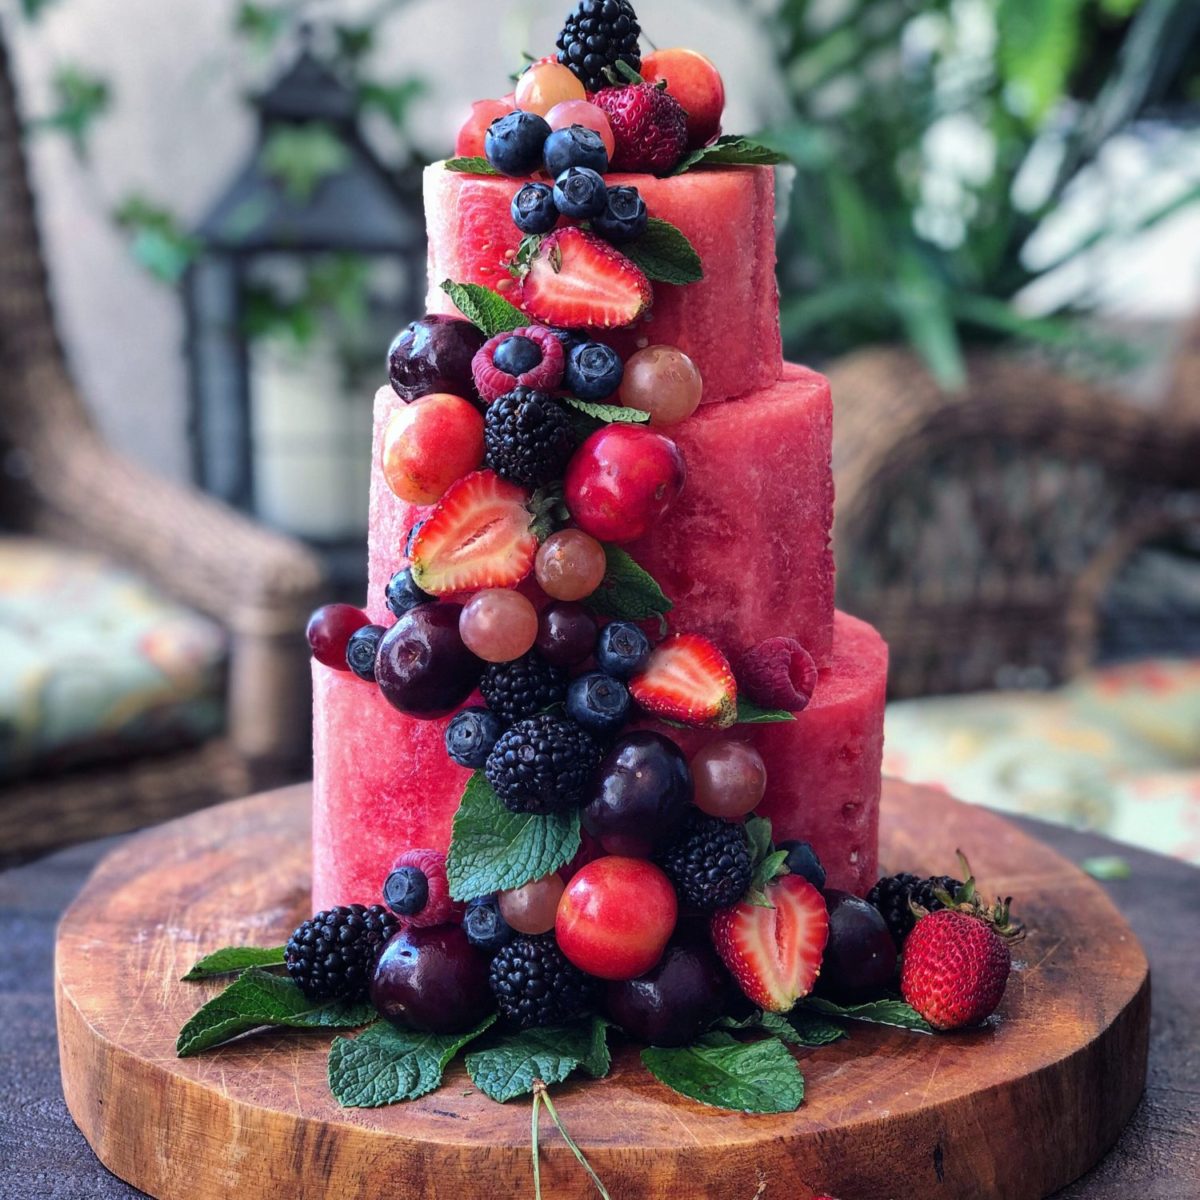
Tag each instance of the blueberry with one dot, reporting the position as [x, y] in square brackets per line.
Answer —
[406, 891]
[516, 355]
[513, 144]
[360, 651]
[624, 217]
[598, 702]
[622, 649]
[580, 193]
[471, 735]
[802, 860]
[577, 146]
[402, 594]
[570, 338]
[533, 209]
[485, 928]
[593, 371]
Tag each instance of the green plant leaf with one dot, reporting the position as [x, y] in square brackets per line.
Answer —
[508, 1066]
[261, 23]
[1107, 867]
[1038, 45]
[258, 999]
[486, 310]
[385, 1065]
[492, 849]
[393, 100]
[80, 99]
[159, 242]
[32, 9]
[754, 1077]
[302, 157]
[874, 1012]
[808, 1029]
[608, 414]
[925, 311]
[470, 166]
[731, 151]
[628, 592]
[749, 713]
[664, 254]
[234, 958]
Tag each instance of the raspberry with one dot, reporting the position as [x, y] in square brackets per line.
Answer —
[417, 890]
[778, 673]
[648, 124]
[546, 373]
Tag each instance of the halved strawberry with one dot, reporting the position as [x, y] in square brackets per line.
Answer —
[688, 679]
[575, 280]
[478, 536]
[774, 953]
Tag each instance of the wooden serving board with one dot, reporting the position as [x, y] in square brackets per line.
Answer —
[1012, 1111]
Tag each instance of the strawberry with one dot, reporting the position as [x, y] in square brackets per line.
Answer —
[478, 536]
[774, 953]
[573, 279]
[956, 960]
[688, 679]
[649, 125]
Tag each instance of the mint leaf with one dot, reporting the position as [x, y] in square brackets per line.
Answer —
[608, 413]
[234, 958]
[755, 1077]
[627, 592]
[257, 999]
[492, 849]
[485, 309]
[807, 1029]
[470, 166]
[731, 151]
[875, 1012]
[385, 1065]
[509, 1066]
[664, 254]
[749, 713]
[1106, 867]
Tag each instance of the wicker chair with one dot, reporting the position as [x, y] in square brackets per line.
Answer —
[60, 481]
[982, 531]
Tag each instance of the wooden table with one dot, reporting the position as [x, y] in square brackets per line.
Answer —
[1158, 1157]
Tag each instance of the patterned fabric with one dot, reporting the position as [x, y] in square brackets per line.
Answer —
[94, 664]
[1116, 751]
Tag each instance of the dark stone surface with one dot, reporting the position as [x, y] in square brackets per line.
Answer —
[43, 1155]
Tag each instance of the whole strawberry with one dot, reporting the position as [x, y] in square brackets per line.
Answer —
[956, 960]
[648, 124]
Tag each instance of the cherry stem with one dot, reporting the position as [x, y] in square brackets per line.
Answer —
[542, 1094]
[537, 1165]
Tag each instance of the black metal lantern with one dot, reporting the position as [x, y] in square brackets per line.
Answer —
[280, 430]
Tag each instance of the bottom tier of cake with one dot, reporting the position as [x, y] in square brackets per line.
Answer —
[383, 783]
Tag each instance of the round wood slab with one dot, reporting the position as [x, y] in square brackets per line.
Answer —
[1014, 1110]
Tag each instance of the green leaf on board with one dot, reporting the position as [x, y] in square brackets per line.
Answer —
[234, 958]
[874, 1012]
[508, 1067]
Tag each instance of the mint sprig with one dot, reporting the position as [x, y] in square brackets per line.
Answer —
[795, 1028]
[493, 849]
[731, 151]
[513, 1063]
[874, 1012]
[664, 254]
[234, 958]
[385, 1065]
[608, 414]
[628, 592]
[488, 311]
[718, 1070]
[258, 999]
[470, 165]
[749, 713]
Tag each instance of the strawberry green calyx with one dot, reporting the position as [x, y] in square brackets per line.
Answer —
[966, 900]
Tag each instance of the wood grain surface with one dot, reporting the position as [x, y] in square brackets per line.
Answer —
[1014, 1110]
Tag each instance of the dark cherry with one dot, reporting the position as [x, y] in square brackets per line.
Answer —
[860, 957]
[639, 795]
[433, 980]
[434, 354]
[422, 667]
[566, 634]
[675, 1002]
[329, 631]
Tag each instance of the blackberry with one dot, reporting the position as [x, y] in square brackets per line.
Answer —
[332, 955]
[542, 764]
[520, 688]
[710, 863]
[534, 984]
[891, 895]
[596, 35]
[528, 437]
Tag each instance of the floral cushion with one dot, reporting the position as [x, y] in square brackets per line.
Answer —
[1116, 751]
[95, 664]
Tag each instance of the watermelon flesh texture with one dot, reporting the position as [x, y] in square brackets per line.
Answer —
[744, 552]
[728, 322]
[383, 782]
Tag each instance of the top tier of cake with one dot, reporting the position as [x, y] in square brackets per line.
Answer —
[728, 322]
